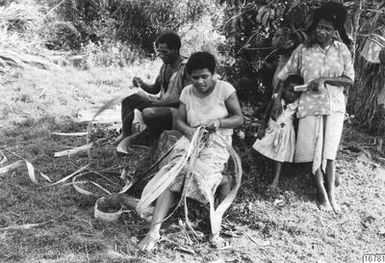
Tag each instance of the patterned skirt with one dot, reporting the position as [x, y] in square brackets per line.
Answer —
[206, 171]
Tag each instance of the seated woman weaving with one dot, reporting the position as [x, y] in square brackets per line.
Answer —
[207, 102]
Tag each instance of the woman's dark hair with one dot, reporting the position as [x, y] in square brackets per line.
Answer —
[201, 60]
[335, 13]
[171, 39]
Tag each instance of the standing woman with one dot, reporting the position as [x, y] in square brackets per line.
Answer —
[327, 68]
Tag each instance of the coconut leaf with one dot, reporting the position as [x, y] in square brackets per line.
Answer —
[74, 150]
[10, 167]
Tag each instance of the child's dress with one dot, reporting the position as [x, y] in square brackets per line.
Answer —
[278, 143]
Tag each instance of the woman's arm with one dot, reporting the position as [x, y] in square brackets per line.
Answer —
[235, 118]
[342, 81]
[181, 122]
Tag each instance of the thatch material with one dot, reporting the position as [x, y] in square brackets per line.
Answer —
[364, 100]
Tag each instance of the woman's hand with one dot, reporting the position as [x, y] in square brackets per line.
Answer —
[189, 132]
[213, 125]
[137, 82]
[316, 84]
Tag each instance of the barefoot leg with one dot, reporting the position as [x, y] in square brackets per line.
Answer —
[277, 172]
[224, 189]
[323, 196]
[125, 144]
[118, 139]
[331, 185]
[162, 206]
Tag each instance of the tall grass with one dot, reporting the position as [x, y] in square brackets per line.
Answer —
[63, 92]
[21, 41]
[25, 30]
[110, 54]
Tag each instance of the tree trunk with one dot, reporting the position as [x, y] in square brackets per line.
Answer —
[356, 24]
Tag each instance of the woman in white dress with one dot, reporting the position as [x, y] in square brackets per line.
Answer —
[210, 102]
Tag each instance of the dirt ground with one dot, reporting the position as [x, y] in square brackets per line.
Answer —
[261, 226]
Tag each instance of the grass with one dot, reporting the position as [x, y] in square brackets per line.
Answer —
[38, 94]
[284, 226]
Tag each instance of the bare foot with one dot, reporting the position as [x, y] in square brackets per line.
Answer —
[137, 140]
[148, 243]
[273, 186]
[216, 241]
[326, 207]
[118, 139]
[122, 146]
[336, 208]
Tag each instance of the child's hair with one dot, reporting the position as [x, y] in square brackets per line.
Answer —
[295, 79]
[201, 60]
[288, 93]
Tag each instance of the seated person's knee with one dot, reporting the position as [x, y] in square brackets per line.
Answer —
[132, 98]
[148, 114]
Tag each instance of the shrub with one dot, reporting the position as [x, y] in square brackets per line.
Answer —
[23, 18]
[62, 36]
[19, 34]
[136, 22]
[110, 54]
[201, 35]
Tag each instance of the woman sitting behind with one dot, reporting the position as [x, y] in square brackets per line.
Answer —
[276, 136]
[210, 102]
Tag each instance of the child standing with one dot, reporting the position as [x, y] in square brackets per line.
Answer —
[276, 136]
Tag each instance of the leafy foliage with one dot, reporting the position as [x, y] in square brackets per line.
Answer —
[20, 25]
[364, 100]
[251, 26]
[136, 22]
